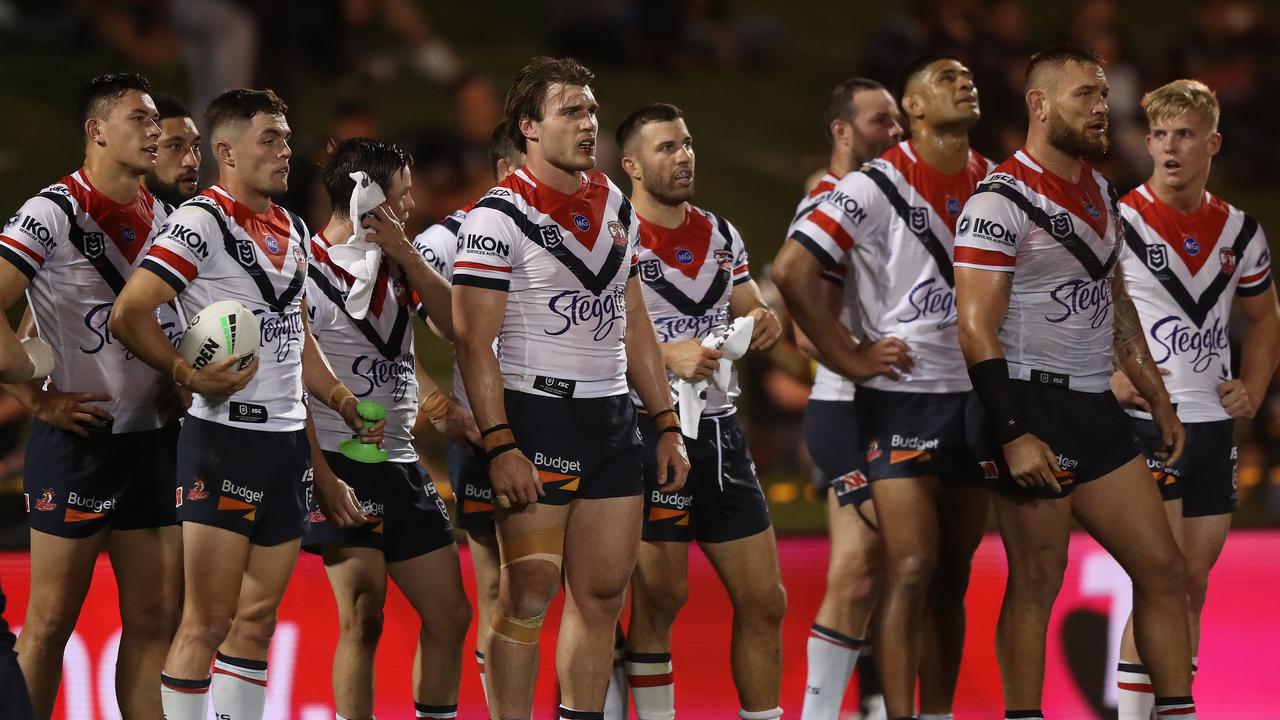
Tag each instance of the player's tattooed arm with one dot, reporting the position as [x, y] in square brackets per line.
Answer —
[1134, 358]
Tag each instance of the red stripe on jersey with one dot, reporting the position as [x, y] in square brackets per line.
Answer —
[119, 222]
[175, 261]
[589, 202]
[258, 226]
[1193, 236]
[978, 256]
[467, 264]
[693, 237]
[39, 261]
[832, 228]
[741, 269]
[644, 681]
[946, 194]
[1249, 279]
[1070, 196]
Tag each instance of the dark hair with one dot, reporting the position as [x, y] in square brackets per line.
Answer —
[98, 93]
[840, 101]
[914, 68]
[170, 106]
[1058, 55]
[652, 113]
[241, 104]
[380, 159]
[501, 147]
[529, 91]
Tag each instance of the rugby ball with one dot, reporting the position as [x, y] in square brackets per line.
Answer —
[219, 331]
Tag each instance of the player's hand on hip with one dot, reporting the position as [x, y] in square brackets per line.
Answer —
[767, 329]
[460, 427]
[515, 480]
[885, 356]
[673, 462]
[372, 435]
[338, 500]
[687, 359]
[221, 377]
[1172, 434]
[71, 411]
[1235, 399]
[1032, 462]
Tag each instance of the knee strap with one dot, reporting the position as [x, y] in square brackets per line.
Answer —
[546, 544]
[521, 631]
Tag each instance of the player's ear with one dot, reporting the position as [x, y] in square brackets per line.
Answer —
[529, 128]
[1036, 104]
[93, 130]
[223, 152]
[1215, 143]
[632, 168]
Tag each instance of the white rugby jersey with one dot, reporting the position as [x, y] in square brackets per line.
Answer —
[77, 248]
[688, 274]
[1182, 271]
[439, 245]
[564, 261]
[373, 356]
[215, 248]
[896, 219]
[827, 383]
[1061, 241]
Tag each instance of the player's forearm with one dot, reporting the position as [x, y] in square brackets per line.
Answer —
[482, 378]
[135, 326]
[321, 472]
[1132, 354]
[811, 311]
[1260, 355]
[15, 365]
[646, 366]
[318, 377]
[435, 292]
[982, 301]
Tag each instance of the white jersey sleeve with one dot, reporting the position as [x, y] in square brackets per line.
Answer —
[852, 208]
[487, 247]
[438, 244]
[1255, 266]
[741, 265]
[31, 236]
[988, 231]
[182, 248]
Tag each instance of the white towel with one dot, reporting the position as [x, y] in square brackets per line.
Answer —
[357, 256]
[733, 344]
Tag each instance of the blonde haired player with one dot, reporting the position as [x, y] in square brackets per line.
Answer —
[1188, 254]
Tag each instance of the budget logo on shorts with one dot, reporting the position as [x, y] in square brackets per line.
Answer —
[93, 245]
[1157, 257]
[581, 222]
[651, 271]
[918, 220]
[1060, 225]
[617, 232]
[551, 236]
[1227, 257]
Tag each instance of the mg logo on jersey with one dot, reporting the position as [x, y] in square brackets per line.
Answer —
[127, 234]
[1092, 210]
[1060, 225]
[93, 245]
[272, 245]
[684, 257]
[551, 236]
[581, 222]
[651, 271]
[1191, 245]
[953, 206]
[1227, 257]
[1157, 257]
[918, 220]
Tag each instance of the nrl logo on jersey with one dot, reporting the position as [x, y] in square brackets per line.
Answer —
[918, 220]
[1158, 257]
[651, 271]
[551, 236]
[93, 245]
[244, 252]
[1060, 225]
[1227, 257]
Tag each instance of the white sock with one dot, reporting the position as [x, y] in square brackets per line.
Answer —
[615, 699]
[760, 714]
[184, 699]
[653, 685]
[436, 712]
[1181, 708]
[239, 688]
[484, 682]
[832, 657]
[937, 716]
[1133, 695]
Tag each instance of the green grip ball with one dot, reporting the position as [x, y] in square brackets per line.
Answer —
[371, 412]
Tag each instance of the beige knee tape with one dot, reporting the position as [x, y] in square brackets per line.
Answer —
[546, 544]
[518, 630]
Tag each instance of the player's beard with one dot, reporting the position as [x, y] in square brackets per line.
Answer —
[1073, 141]
[170, 193]
[667, 194]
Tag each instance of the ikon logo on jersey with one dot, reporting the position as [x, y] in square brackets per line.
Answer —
[985, 229]
[485, 245]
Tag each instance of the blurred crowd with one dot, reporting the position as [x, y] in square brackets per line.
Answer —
[361, 48]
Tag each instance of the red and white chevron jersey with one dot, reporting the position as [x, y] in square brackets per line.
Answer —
[439, 245]
[77, 248]
[564, 261]
[1183, 271]
[688, 274]
[828, 384]
[215, 248]
[373, 356]
[896, 218]
[1060, 241]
